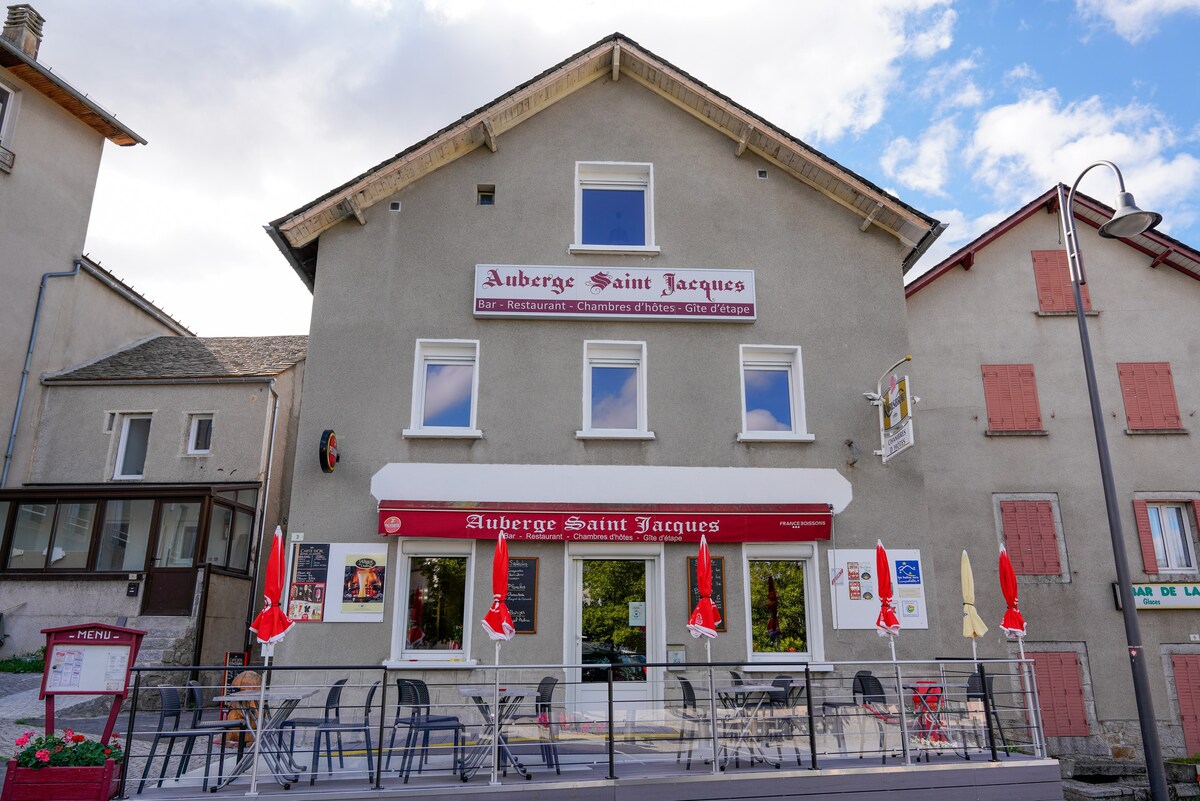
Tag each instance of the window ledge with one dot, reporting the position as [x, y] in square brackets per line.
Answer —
[1137, 432]
[766, 436]
[447, 433]
[615, 250]
[422, 664]
[1039, 433]
[626, 435]
[1086, 313]
[204, 455]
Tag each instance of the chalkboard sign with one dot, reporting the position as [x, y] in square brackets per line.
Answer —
[718, 596]
[522, 594]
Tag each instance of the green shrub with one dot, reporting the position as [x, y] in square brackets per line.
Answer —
[24, 663]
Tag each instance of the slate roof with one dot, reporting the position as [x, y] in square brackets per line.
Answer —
[167, 358]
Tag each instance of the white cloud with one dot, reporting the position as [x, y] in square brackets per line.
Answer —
[446, 386]
[1020, 74]
[620, 410]
[960, 229]
[1020, 149]
[924, 165]
[763, 420]
[1134, 20]
[953, 85]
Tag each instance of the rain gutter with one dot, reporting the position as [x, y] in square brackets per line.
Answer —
[33, 331]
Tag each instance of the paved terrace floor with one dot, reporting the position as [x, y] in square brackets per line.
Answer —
[647, 771]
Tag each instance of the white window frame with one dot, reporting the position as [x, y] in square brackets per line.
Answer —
[443, 351]
[631, 176]
[1181, 501]
[805, 552]
[613, 353]
[8, 120]
[193, 428]
[402, 658]
[775, 357]
[125, 419]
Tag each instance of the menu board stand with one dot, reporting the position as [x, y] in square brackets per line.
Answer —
[89, 659]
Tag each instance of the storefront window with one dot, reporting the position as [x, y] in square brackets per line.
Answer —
[31, 536]
[124, 535]
[219, 525]
[178, 525]
[436, 603]
[72, 536]
[243, 531]
[783, 612]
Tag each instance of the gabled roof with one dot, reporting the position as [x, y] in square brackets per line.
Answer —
[167, 359]
[75, 102]
[297, 234]
[1162, 249]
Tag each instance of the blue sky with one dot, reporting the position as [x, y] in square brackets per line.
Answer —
[252, 109]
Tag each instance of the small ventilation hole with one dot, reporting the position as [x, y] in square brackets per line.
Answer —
[394, 205]
[762, 175]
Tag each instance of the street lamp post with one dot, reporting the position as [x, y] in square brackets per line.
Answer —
[1128, 220]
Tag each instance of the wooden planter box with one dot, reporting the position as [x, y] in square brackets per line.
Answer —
[60, 784]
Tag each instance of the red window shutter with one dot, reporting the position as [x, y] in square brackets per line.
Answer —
[1148, 390]
[1142, 515]
[1187, 689]
[1052, 275]
[1060, 692]
[1010, 393]
[1030, 537]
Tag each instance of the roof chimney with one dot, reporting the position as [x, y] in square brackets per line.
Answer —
[24, 28]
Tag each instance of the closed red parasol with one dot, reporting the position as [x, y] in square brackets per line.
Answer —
[705, 618]
[498, 622]
[271, 623]
[1013, 622]
[887, 624]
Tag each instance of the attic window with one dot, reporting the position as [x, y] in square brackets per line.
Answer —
[485, 195]
[614, 208]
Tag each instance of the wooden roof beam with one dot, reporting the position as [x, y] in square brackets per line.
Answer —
[1161, 258]
[350, 208]
[870, 218]
[616, 61]
[745, 140]
[489, 135]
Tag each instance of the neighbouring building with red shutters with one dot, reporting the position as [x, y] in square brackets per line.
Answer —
[1009, 455]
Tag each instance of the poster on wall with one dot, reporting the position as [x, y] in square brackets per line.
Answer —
[855, 592]
[338, 582]
[363, 576]
[310, 582]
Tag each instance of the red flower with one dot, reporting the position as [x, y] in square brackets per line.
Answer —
[107, 751]
[42, 756]
[78, 738]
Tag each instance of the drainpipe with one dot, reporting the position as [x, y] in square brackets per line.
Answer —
[33, 330]
[262, 510]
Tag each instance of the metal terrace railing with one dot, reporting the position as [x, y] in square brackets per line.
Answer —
[370, 728]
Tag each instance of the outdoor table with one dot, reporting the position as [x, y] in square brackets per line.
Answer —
[511, 697]
[749, 700]
[278, 705]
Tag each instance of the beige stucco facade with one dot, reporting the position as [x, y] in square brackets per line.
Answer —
[989, 315]
[823, 284]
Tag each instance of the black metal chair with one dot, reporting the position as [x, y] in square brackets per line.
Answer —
[975, 693]
[421, 723]
[875, 705]
[169, 715]
[337, 726]
[548, 737]
[238, 726]
[333, 714]
[692, 720]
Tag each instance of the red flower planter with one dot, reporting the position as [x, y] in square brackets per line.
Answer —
[60, 784]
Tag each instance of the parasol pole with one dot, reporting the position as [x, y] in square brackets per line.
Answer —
[712, 704]
[268, 650]
[496, 717]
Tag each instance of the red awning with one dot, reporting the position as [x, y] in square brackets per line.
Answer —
[607, 523]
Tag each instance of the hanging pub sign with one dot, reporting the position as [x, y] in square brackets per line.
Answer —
[328, 451]
[614, 293]
[599, 523]
[896, 423]
[1166, 596]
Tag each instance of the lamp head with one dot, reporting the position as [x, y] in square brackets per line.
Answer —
[1128, 220]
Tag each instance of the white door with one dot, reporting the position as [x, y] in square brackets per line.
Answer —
[615, 624]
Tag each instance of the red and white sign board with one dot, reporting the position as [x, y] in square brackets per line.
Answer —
[597, 523]
[614, 293]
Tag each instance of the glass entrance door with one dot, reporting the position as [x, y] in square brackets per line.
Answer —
[613, 619]
[615, 622]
